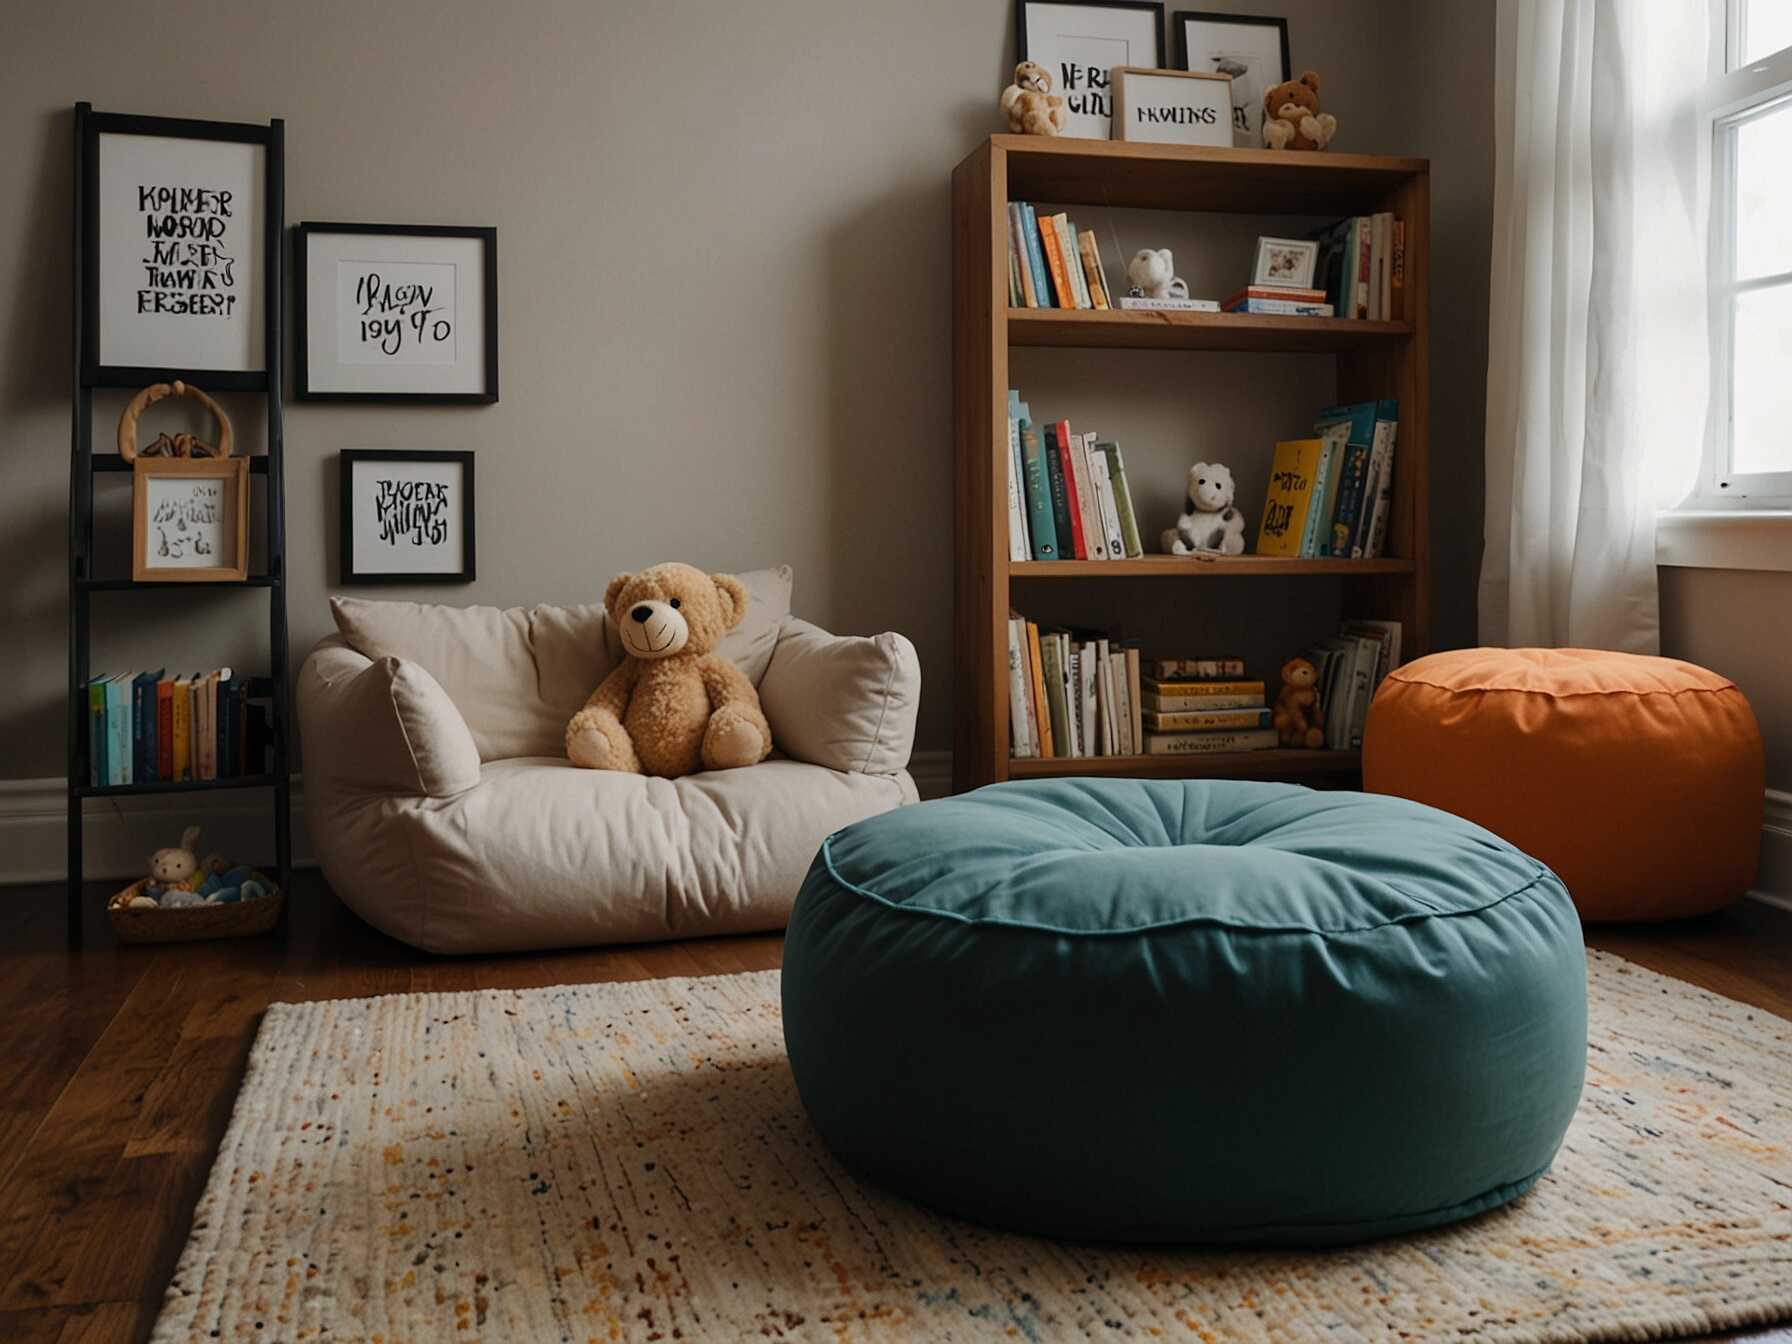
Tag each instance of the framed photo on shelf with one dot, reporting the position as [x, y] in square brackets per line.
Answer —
[1252, 49]
[1285, 262]
[407, 517]
[395, 312]
[190, 519]
[1172, 107]
[1079, 42]
[178, 221]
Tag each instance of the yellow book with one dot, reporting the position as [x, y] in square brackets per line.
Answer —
[1041, 717]
[183, 729]
[1290, 500]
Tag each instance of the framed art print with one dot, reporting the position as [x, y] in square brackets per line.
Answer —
[190, 519]
[176, 222]
[1252, 49]
[1079, 44]
[1172, 107]
[1286, 263]
[396, 312]
[407, 517]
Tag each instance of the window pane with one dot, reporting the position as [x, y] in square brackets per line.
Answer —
[1764, 193]
[1766, 28]
[1761, 410]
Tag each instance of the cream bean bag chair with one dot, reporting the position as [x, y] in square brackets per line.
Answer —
[444, 811]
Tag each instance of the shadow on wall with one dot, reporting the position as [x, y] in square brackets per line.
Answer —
[34, 384]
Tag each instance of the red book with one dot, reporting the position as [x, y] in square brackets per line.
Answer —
[164, 729]
[1275, 292]
[1070, 495]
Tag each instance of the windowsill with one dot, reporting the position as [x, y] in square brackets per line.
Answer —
[1724, 539]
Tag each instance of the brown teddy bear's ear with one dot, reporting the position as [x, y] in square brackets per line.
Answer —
[614, 591]
[734, 599]
[1311, 80]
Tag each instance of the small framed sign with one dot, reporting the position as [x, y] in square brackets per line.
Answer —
[175, 225]
[1285, 262]
[1172, 107]
[1079, 42]
[407, 517]
[190, 519]
[396, 312]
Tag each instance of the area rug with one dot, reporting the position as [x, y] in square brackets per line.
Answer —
[631, 1162]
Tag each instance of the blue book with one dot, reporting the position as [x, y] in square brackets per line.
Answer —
[1325, 490]
[1054, 475]
[1358, 422]
[1041, 526]
[118, 729]
[143, 726]
[1042, 276]
[227, 692]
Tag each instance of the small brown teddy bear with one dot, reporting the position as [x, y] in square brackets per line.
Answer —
[673, 706]
[1291, 116]
[1299, 720]
[1031, 106]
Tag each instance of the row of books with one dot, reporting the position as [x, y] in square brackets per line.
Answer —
[1350, 669]
[149, 727]
[1361, 266]
[1067, 493]
[1331, 495]
[1053, 264]
[1281, 301]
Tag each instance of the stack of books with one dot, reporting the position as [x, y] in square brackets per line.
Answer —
[1067, 493]
[1053, 264]
[1351, 666]
[1071, 694]
[148, 727]
[1280, 300]
[1361, 268]
[1196, 706]
[1330, 495]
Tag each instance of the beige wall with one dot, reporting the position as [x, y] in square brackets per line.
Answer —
[1733, 622]
[723, 291]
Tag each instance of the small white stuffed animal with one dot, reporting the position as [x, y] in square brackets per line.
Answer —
[1152, 274]
[1208, 522]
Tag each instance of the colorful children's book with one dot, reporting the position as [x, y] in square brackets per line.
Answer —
[1054, 262]
[1042, 528]
[1067, 508]
[1358, 423]
[1317, 538]
[1042, 281]
[1290, 497]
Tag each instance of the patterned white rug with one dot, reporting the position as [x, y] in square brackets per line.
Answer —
[631, 1162]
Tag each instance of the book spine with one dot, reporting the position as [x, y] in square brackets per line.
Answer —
[1088, 507]
[1042, 284]
[118, 731]
[1017, 517]
[1386, 275]
[164, 729]
[96, 732]
[1312, 532]
[228, 751]
[1132, 682]
[181, 713]
[1202, 744]
[1015, 298]
[1122, 702]
[1107, 500]
[1073, 265]
[1092, 276]
[1048, 235]
[1204, 720]
[1087, 670]
[1066, 508]
[1181, 704]
[1136, 303]
[1281, 307]
[1104, 690]
[1364, 249]
[1129, 523]
[204, 705]
[1017, 248]
[1042, 531]
[1397, 273]
[1350, 497]
[143, 726]
[1384, 497]
[1020, 734]
[1042, 710]
[1051, 663]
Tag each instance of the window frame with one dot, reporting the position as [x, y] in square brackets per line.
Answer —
[1735, 96]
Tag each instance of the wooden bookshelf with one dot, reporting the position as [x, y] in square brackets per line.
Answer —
[1373, 360]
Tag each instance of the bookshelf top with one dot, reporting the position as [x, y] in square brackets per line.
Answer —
[1068, 171]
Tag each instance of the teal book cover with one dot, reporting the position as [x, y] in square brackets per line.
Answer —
[1054, 472]
[97, 755]
[1358, 420]
[1040, 526]
[118, 729]
[1042, 276]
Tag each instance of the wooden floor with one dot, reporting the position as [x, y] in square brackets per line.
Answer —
[118, 1066]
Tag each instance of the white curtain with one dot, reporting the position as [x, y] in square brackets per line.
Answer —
[1597, 350]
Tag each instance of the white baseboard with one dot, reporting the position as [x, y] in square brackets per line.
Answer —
[121, 833]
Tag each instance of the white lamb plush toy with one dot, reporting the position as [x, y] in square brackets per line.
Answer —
[1208, 522]
[1152, 274]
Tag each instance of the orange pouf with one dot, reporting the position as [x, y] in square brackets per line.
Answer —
[1640, 781]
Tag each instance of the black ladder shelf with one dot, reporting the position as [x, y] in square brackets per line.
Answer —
[83, 582]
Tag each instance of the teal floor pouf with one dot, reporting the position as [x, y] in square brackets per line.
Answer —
[1202, 1011]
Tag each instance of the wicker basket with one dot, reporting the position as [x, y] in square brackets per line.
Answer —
[186, 923]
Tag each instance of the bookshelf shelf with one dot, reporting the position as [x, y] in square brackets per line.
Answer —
[178, 786]
[258, 465]
[1373, 360]
[133, 585]
[1115, 330]
[1283, 764]
[1192, 567]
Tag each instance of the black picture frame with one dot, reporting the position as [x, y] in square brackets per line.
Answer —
[348, 459]
[93, 125]
[302, 235]
[1020, 21]
[1183, 17]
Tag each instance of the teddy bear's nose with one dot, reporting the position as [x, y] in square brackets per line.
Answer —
[641, 614]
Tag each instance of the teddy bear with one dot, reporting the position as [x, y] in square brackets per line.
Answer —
[1208, 521]
[1298, 718]
[673, 706]
[1291, 116]
[1031, 106]
[1152, 274]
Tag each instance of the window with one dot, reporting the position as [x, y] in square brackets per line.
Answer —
[1750, 453]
